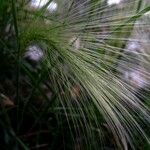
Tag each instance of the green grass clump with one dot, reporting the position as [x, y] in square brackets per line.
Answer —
[74, 97]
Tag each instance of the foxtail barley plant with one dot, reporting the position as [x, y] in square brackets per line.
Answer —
[91, 56]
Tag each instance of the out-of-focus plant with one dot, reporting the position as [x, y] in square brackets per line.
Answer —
[68, 52]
